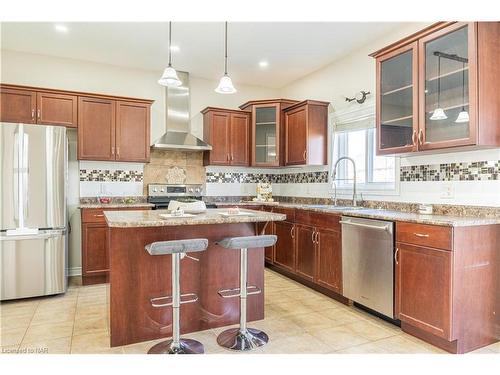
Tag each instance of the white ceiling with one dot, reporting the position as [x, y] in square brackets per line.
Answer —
[292, 49]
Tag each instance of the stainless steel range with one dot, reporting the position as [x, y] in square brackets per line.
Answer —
[161, 194]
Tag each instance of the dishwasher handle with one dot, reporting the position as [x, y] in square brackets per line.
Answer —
[383, 228]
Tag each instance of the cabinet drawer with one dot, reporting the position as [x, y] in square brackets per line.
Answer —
[288, 211]
[435, 236]
[317, 219]
[96, 215]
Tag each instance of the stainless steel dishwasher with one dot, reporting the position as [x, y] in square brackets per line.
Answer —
[368, 263]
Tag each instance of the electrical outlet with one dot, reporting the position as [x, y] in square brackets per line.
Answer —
[447, 191]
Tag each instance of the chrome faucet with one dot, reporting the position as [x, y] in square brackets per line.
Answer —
[334, 173]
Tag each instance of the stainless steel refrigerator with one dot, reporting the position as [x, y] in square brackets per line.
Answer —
[33, 225]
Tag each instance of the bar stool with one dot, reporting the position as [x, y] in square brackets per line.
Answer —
[243, 338]
[178, 250]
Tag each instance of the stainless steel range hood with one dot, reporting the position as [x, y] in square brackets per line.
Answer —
[178, 135]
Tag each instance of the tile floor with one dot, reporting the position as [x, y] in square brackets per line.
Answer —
[298, 320]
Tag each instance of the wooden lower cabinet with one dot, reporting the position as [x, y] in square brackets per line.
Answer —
[284, 250]
[329, 259]
[306, 252]
[423, 291]
[95, 260]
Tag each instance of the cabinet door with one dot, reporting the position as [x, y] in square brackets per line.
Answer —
[96, 129]
[132, 131]
[17, 106]
[219, 138]
[397, 100]
[284, 250]
[57, 109]
[423, 287]
[269, 251]
[306, 252]
[95, 249]
[296, 136]
[329, 260]
[265, 135]
[448, 93]
[240, 127]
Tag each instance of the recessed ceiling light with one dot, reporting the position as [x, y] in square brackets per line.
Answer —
[263, 64]
[61, 28]
[174, 48]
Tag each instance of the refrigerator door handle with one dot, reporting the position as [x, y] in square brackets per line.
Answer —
[25, 175]
[15, 180]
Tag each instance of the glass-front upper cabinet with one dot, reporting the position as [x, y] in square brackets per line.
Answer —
[265, 135]
[397, 120]
[447, 106]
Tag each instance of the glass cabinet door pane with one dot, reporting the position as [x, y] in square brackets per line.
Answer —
[396, 101]
[447, 87]
[265, 135]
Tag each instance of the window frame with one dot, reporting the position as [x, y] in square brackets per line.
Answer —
[345, 187]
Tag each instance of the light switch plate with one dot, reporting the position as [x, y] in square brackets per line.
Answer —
[447, 191]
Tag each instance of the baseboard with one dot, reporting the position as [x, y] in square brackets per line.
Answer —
[75, 271]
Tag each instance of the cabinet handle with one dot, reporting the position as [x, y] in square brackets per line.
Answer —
[98, 215]
[317, 237]
[33, 114]
[305, 154]
[421, 137]
[112, 150]
[38, 113]
[414, 138]
[118, 151]
[232, 157]
[313, 234]
[291, 231]
[421, 235]
[396, 256]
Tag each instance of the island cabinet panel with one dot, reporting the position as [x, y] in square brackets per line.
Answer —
[424, 288]
[284, 250]
[136, 277]
[306, 252]
[132, 131]
[96, 130]
[17, 106]
[57, 109]
[227, 131]
[329, 259]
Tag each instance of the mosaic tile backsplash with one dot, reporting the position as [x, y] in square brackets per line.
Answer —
[290, 178]
[105, 175]
[472, 171]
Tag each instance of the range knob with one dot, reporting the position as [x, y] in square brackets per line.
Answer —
[162, 190]
[197, 190]
[190, 190]
[155, 190]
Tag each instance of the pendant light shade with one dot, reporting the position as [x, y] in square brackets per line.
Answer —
[170, 77]
[463, 116]
[439, 113]
[225, 84]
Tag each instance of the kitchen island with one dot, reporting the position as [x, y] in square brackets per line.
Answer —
[136, 277]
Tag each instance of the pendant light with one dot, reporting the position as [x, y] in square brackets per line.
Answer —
[438, 113]
[225, 83]
[169, 77]
[463, 116]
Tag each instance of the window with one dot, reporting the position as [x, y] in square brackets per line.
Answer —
[372, 172]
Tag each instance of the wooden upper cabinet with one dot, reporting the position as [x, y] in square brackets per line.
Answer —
[306, 133]
[437, 89]
[57, 109]
[96, 130]
[240, 126]
[17, 106]
[227, 131]
[132, 131]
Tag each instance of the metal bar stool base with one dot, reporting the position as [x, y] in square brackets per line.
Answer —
[187, 346]
[250, 339]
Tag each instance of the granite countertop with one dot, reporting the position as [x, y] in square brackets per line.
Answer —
[383, 214]
[115, 205]
[151, 218]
